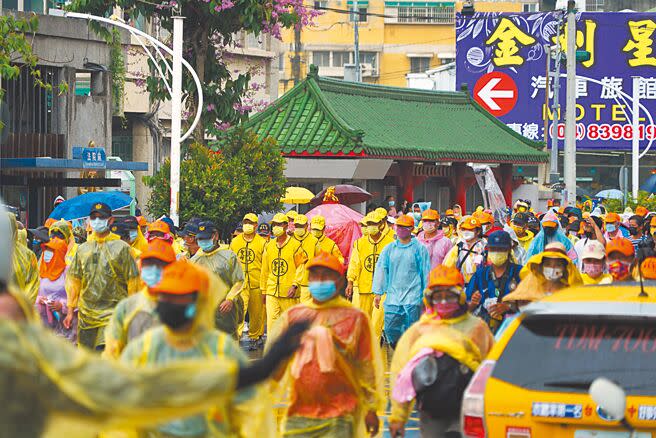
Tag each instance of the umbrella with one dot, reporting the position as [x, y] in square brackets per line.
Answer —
[650, 185]
[297, 195]
[346, 193]
[342, 225]
[80, 206]
[610, 194]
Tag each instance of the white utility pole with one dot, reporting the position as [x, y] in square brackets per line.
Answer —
[570, 108]
[356, 42]
[176, 115]
[635, 140]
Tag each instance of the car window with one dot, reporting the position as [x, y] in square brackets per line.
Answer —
[567, 354]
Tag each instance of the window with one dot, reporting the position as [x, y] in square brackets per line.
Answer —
[321, 59]
[419, 64]
[369, 58]
[430, 14]
[446, 61]
[281, 61]
[320, 4]
[530, 7]
[341, 58]
[594, 5]
[361, 16]
[255, 42]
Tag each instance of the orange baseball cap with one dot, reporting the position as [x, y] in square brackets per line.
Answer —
[326, 260]
[142, 221]
[483, 217]
[181, 277]
[612, 217]
[621, 245]
[641, 211]
[448, 212]
[160, 226]
[648, 268]
[405, 221]
[49, 222]
[445, 276]
[430, 215]
[159, 249]
[470, 223]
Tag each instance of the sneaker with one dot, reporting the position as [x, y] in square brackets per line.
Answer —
[254, 344]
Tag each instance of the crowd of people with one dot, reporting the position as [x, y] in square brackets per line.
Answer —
[431, 289]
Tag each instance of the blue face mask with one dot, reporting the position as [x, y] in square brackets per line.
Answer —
[133, 235]
[206, 245]
[99, 225]
[611, 228]
[322, 290]
[151, 275]
[391, 203]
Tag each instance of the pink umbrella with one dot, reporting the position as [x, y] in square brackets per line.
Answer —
[342, 225]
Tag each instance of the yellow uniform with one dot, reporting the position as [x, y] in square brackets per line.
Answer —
[362, 266]
[309, 246]
[326, 244]
[249, 253]
[526, 240]
[283, 266]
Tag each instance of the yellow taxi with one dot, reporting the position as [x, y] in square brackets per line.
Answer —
[536, 380]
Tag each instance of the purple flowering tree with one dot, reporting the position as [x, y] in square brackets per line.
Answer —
[210, 28]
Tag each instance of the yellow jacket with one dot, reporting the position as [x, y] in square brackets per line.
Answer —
[526, 240]
[326, 244]
[250, 255]
[282, 267]
[602, 279]
[364, 256]
[309, 246]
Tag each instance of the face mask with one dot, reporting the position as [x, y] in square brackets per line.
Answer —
[206, 245]
[497, 258]
[365, 231]
[317, 233]
[552, 274]
[446, 310]
[99, 225]
[133, 235]
[47, 256]
[572, 233]
[429, 227]
[611, 228]
[391, 203]
[278, 231]
[248, 228]
[299, 232]
[518, 230]
[175, 315]
[549, 231]
[633, 231]
[619, 270]
[322, 290]
[372, 230]
[593, 271]
[468, 235]
[403, 233]
[151, 275]
[521, 209]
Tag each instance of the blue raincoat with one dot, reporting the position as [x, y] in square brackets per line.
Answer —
[541, 240]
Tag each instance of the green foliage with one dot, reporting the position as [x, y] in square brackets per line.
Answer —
[238, 174]
[644, 198]
[117, 67]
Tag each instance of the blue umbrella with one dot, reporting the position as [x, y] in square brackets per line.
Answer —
[650, 185]
[611, 194]
[80, 206]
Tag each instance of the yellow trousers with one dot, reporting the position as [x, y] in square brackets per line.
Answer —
[256, 314]
[364, 302]
[378, 318]
[306, 296]
[276, 306]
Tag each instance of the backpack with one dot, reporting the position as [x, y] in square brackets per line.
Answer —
[440, 383]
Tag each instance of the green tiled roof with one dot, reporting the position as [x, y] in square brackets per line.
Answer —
[331, 117]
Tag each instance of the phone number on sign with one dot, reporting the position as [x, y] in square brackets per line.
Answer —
[607, 131]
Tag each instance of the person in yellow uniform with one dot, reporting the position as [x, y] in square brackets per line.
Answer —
[519, 225]
[310, 245]
[362, 265]
[283, 267]
[249, 247]
[25, 265]
[224, 263]
[326, 244]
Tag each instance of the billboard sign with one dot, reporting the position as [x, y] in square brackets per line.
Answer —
[496, 51]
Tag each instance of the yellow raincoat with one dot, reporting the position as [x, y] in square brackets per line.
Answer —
[336, 377]
[140, 243]
[245, 415]
[532, 278]
[250, 254]
[64, 227]
[465, 338]
[51, 389]
[25, 266]
[224, 263]
[101, 274]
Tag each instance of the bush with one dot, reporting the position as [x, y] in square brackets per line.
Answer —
[644, 198]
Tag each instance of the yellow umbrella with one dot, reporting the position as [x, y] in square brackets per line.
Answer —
[297, 195]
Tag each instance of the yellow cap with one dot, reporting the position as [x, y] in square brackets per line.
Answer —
[279, 218]
[300, 219]
[251, 217]
[318, 223]
[372, 218]
[291, 214]
[381, 213]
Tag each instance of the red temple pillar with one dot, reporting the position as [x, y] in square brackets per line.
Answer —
[506, 183]
[408, 181]
[459, 185]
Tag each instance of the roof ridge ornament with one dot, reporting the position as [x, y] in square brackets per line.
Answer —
[314, 71]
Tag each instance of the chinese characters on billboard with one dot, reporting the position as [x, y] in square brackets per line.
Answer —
[495, 49]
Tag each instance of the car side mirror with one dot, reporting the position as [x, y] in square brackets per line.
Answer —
[609, 397]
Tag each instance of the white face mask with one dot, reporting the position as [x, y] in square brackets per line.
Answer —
[99, 225]
[468, 235]
[429, 227]
[552, 274]
[47, 256]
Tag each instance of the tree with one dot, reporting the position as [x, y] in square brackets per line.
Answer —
[238, 174]
[210, 26]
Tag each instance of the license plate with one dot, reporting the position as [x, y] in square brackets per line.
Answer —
[602, 434]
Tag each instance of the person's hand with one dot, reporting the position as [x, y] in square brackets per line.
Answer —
[291, 293]
[349, 290]
[40, 300]
[475, 300]
[55, 306]
[372, 423]
[225, 306]
[377, 299]
[289, 340]
[397, 429]
[498, 310]
[69, 319]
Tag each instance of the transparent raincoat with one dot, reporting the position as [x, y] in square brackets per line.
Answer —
[25, 268]
[466, 338]
[64, 227]
[531, 274]
[337, 375]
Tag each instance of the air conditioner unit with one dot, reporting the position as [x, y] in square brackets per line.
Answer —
[367, 68]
